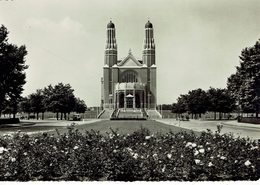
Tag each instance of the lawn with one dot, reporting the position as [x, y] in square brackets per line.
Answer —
[128, 127]
[103, 126]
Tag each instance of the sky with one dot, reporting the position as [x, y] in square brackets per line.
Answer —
[198, 42]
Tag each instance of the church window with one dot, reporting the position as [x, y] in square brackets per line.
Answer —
[129, 76]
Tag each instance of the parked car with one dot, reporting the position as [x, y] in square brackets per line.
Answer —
[76, 117]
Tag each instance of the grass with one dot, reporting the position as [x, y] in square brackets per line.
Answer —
[103, 126]
[128, 127]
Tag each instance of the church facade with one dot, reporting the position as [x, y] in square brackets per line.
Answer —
[129, 83]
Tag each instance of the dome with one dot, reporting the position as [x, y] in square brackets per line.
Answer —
[110, 25]
[148, 25]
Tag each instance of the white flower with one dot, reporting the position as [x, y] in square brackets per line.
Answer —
[200, 146]
[147, 137]
[211, 157]
[114, 151]
[181, 156]
[254, 148]
[197, 161]
[163, 169]
[210, 164]
[209, 149]
[75, 147]
[155, 156]
[169, 156]
[55, 148]
[247, 163]
[208, 143]
[25, 153]
[235, 161]
[144, 144]
[2, 150]
[135, 156]
[129, 149]
[13, 159]
[196, 152]
[188, 144]
[201, 150]
[194, 145]
[222, 157]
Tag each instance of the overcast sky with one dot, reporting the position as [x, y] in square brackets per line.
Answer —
[197, 41]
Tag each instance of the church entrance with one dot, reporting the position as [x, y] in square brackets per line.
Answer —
[129, 102]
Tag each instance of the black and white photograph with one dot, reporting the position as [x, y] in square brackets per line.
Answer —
[130, 91]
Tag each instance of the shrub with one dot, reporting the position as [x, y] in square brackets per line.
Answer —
[138, 156]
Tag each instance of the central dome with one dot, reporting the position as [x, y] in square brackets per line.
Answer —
[110, 25]
[148, 25]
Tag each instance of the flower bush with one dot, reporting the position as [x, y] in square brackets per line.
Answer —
[138, 156]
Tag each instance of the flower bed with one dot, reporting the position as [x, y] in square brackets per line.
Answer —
[138, 156]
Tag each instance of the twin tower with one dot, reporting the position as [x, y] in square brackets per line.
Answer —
[129, 83]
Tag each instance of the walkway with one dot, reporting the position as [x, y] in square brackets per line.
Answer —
[238, 129]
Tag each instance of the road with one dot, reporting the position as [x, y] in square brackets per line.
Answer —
[238, 129]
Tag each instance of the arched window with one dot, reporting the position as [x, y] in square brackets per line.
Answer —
[129, 76]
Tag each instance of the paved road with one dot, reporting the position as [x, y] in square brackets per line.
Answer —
[238, 129]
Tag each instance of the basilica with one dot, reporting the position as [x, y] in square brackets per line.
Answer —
[128, 86]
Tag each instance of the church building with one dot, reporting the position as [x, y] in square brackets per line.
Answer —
[129, 84]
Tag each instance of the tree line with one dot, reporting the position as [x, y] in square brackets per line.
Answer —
[197, 102]
[58, 99]
[242, 92]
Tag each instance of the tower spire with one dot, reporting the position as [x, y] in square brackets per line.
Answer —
[149, 45]
[111, 36]
[111, 45]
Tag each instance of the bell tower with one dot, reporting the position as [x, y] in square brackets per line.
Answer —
[109, 61]
[149, 60]
[111, 46]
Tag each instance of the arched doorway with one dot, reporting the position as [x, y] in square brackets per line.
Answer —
[129, 101]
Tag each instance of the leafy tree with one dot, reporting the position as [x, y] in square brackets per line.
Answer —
[37, 103]
[12, 75]
[80, 106]
[244, 85]
[59, 99]
[181, 106]
[25, 106]
[197, 102]
[220, 101]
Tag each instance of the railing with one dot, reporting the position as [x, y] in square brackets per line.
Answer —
[100, 113]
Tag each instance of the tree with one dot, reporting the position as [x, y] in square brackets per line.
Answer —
[12, 75]
[244, 85]
[37, 103]
[80, 106]
[197, 102]
[59, 99]
[25, 106]
[181, 106]
[220, 101]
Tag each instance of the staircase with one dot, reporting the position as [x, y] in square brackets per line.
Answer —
[128, 114]
[153, 114]
[105, 114]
